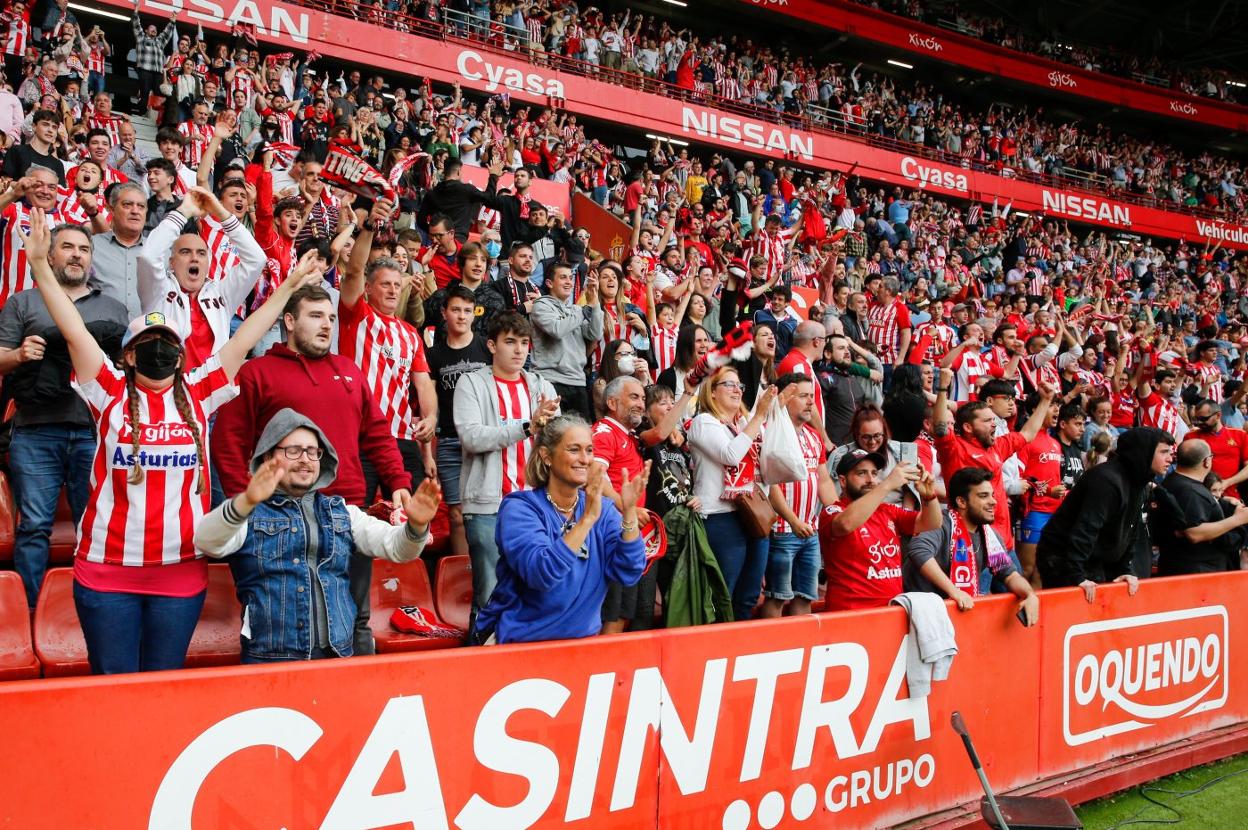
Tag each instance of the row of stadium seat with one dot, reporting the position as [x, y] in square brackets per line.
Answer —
[56, 647]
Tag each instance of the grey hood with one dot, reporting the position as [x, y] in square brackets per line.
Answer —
[284, 423]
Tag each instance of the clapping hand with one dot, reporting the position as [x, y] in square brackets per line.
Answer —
[593, 493]
[631, 490]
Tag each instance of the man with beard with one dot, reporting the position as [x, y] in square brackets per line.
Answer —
[842, 393]
[860, 535]
[949, 559]
[516, 290]
[331, 390]
[617, 447]
[292, 466]
[53, 439]
[974, 443]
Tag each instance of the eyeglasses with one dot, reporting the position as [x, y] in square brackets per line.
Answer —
[875, 436]
[731, 384]
[293, 453]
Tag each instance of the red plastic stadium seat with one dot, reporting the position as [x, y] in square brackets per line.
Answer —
[215, 641]
[62, 649]
[59, 643]
[8, 519]
[454, 591]
[395, 585]
[64, 534]
[17, 657]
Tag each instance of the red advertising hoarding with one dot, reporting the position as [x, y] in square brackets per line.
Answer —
[476, 67]
[963, 50]
[768, 723]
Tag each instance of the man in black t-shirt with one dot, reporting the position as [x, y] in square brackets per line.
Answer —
[1193, 531]
[449, 359]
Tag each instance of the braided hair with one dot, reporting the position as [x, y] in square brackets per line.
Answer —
[183, 404]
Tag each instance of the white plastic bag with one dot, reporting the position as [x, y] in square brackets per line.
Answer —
[780, 458]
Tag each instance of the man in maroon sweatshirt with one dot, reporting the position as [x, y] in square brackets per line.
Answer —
[329, 389]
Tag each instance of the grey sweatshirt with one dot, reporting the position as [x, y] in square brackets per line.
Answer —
[483, 435]
[562, 337]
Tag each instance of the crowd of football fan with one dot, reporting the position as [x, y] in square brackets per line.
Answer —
[215, 354]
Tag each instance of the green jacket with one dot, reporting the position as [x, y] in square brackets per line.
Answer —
[698, 593]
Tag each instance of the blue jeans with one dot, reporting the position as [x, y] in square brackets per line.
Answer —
[483, 553]
[793, 567]
[742, 561]
[989, 584]
[136, 632]
[317, 654]
[43, 459]
[450, 460]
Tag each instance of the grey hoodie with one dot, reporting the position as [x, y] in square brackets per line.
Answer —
[283, 423]
[562, 334]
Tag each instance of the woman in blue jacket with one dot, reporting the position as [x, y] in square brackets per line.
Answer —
[560, 543]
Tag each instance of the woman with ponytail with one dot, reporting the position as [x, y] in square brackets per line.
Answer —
[139, 585]
[560, 543]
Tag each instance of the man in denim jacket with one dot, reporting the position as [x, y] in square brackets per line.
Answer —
[289, 545]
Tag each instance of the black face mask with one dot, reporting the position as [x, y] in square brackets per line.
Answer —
[156, 359]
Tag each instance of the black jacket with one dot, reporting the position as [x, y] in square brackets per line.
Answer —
[1094, 532]
[458, 200]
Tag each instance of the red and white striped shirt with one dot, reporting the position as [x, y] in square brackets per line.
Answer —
[614, 327]
[387, 350]
[243, 82]
[1162, 414]
[773, 247]
[1209, 376]
[109, 123]
[15, 274]
[663, 344]
[193, 150]
[95, 59]
[17, 37]
[803, 496]
[968, 367]
[72, 209]
[514, 405]
[941, 339]
[152, 522]
[884, 325]
[795, 361]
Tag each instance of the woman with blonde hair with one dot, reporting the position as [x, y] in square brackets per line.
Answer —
[724, 442]
[560, 543]
[139, 584]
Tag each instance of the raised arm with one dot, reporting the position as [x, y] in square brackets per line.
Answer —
[352, 285]
[84, 352]
[234, 352]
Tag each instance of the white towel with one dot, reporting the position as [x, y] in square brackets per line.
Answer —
[931, 645]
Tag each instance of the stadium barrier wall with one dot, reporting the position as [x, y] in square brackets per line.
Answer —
[477, 67]
[785, 723]
[966, 51]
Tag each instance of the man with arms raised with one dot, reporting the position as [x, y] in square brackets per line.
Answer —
[176, 275]
[301, 374]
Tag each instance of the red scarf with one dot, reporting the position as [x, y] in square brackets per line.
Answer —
[963, 567]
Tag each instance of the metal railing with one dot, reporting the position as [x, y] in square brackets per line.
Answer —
[816, 118]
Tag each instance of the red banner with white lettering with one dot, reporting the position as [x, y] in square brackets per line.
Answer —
[964, 50]
[476, 67]
[767, 723]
